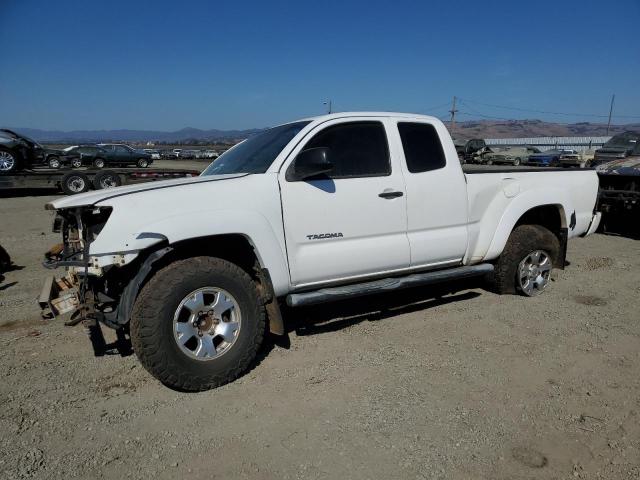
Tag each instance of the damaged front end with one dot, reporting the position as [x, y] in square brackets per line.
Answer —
[92, 291]
[79, 227]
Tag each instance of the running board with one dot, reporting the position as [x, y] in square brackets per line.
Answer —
[386, 284]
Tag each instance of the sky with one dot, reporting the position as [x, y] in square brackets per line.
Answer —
[166, 65]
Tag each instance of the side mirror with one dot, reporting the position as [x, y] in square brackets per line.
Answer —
[309, 163]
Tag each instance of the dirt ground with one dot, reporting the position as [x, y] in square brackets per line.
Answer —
[417, 385]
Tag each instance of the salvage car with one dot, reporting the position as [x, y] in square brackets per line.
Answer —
[18, 152]
[508, 156]
[618, 147]
[321, 209]
[552, 158]
[84, 155]
[123, 155]
[581, 159]
[468, 150]
[155, 154]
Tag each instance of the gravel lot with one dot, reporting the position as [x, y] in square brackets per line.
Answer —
[416, 385]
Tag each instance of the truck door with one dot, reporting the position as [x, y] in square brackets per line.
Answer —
[436, 196]
[350, 222]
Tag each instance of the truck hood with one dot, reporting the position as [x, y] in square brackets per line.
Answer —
[96, 196]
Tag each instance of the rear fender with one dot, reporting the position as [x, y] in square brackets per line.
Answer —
[521, 205]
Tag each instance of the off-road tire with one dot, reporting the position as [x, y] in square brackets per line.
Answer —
[523, 240]
[151, 324]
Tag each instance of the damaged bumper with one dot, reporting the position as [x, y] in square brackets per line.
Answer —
[58, 296]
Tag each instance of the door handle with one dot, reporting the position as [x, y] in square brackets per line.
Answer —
[390, 194]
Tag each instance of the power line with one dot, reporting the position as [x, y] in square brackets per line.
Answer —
[533, 110]
[437, 107]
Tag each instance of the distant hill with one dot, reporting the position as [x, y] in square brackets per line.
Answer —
[90, 136]
[467, 129]
[534, 128]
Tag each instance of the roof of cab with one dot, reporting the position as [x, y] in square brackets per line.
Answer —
[332, 116]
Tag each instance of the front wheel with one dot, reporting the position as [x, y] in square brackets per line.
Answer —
[54, 162]
[9, 161]
[516, 162]
[198, 323]
[527, 260]
[143, 163]
[76, 163]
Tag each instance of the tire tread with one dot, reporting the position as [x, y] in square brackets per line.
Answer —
[146, 327]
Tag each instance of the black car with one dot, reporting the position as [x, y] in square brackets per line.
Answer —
[19, 152]
[87, 155]
[120, 154]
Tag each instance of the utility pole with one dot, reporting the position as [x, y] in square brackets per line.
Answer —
[453, 111]
[328, 104]
[613, 97]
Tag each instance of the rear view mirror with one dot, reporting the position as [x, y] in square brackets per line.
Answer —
[310, 163]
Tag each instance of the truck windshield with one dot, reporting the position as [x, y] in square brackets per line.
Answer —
[257, 153]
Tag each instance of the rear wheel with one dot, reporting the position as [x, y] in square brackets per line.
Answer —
[74, 182]
[143, 163]
[106, 179]
[98, 163]
[9, 161]
[76, 163]
[516, 162]
[527, 260]
[198, 323]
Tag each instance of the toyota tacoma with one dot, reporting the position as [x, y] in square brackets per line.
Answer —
[343, 205]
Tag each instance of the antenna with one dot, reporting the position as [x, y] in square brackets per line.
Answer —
[328, 104]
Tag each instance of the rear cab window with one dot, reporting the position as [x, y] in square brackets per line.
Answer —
[422, 147]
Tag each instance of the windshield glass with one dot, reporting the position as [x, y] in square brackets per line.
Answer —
[257, 153]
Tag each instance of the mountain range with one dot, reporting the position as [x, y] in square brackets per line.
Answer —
[466, 129]
[123, 135]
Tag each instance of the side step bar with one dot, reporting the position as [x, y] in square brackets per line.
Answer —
[386, 284]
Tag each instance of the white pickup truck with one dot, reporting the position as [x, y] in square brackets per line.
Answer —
[320, 209]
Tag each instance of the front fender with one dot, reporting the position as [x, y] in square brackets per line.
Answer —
[196, 224]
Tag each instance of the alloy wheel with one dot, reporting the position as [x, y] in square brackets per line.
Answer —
[206, 323]
[534, 272]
